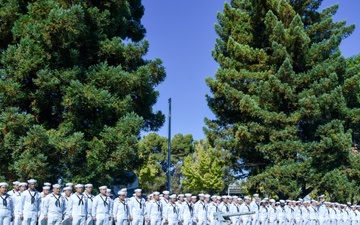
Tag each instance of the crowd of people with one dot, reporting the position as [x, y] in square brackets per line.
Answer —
[55, 205]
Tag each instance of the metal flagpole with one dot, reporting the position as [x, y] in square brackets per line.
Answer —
[169, 146]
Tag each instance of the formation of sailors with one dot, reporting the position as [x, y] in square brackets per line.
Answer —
[25, 206]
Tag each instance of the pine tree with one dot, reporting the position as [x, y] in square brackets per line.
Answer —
[203, 170]
[75, 90]
[284, 98]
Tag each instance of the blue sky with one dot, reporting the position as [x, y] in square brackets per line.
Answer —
[182, 34]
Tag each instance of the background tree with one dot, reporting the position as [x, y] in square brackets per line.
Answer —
[203, 169]
[285, 100]
[75, 91]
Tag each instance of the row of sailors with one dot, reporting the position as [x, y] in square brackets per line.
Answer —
[27, 206]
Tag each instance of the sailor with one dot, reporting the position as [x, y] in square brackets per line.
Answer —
[154, 210]
[246, 208]
[108, 193]
[306, 213]
[54, 206]
[255, 207]
[67, 194]
[78, 206]
[235, 208]
[6, 205]
[200, 210]
[187, 212]
[101, 207]
[89, 200]
[281, 213]
[31, 204]
[46, 184]
[121, 209]
[15, 188]
[207, 199]
[263, 213]
[18, 204]
[43, 194]
[313, 213]
[180, 203]
[172, 212]
[224, 206]
[193, 201]
[272, 213]
[137, 208]
[213, 208]
[298, 214]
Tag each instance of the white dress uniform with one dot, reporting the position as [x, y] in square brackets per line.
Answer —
[281, 215]
[322, 215]
[235, 208]
[181, 206]
[289, 215]
[165, 203]
[255, 207]
[78, 209]
[121, 212]
[298, 215]
[200, 212]
[67, 220]
[187, 213]
[246, 219]
[6, 209]
[224, 207]
[31, 210]
[18, 207]
[89, 199]
[306, 215]
[137, 210]
[172, 214]
[313, 215]
[54, 208]
[154, 212]
[263, 215]
[101, 209]
[272, 215]
[12, 192]
[213, 208]
[42, 220]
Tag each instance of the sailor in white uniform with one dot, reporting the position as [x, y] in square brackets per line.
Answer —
[172, 212]
[78, 206]
[121, 209]
[6, 205]
[18, 204]
[54, 206]
[31, 204]
[137, 208]
[187, 212]
[200, 210]
[154, 210]
[89, 199]
[101, 207]
[44, 193]
[15, 188]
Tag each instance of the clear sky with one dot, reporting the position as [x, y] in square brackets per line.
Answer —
[181, 33]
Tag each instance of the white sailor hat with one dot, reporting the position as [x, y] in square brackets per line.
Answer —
[300, 199]
[16, 183]
[187, 195]
[124, 189]
[69, 184]
[282, 201]
[67, 189]
[161, 195]
[218, 197]
[172, 196]
[166, 192]
[326, 203]
[32, 181]
[322, 196]
[287, 200]
[313, 200]
[47, 184]
[46, 188]
[103, 187]
[138, 190]
[4, 184]
[201, 195]
[235, 197]
[247, 198]
[193, 197]
[240, 199]
[121, 192]
[255, 195]
[181, 195]
[266, 199]
[293, 201]
[79, 186]
[353, 206]
[224, 196]
[349, 203]
[23, 184]
[214, 196]
[262, 201]
[156, 193]
[207, 196]
[229, 197]
[306, 202]
[88, 185]
[272, 200]
[108, 190]
[56, 186]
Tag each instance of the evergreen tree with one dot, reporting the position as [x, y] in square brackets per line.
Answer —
[286, 103]
[75, 90]
[204, 169]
